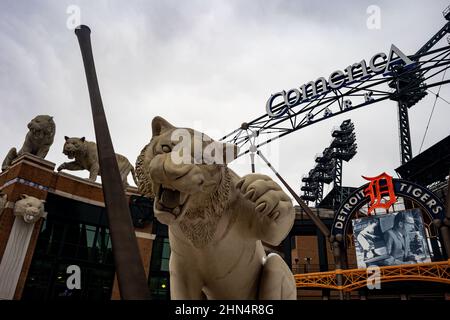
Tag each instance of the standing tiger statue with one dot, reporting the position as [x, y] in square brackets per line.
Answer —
[37, 141]
[86, 158]
[217, 220]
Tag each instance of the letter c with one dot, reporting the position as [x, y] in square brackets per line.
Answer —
[269, 105]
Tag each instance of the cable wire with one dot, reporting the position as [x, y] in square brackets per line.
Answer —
[431, 114]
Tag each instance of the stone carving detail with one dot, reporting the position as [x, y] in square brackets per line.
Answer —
[37, 141]
[217, 222]
[30, 208]
[3, 201]
[86, 158]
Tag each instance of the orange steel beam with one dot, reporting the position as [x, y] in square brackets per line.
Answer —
[357, 278]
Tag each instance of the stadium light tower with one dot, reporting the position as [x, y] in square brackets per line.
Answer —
[344, 149]
[328, 166]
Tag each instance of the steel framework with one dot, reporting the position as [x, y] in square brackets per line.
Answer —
[404, 85]
[353, 279]
[337, 183]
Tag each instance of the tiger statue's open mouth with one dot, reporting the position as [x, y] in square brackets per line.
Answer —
[170, 203]
[70, 154]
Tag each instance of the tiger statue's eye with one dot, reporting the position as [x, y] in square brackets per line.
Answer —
[165, 148]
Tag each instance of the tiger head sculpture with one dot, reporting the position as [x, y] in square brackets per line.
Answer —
[42, 128]
[179, 163]
[31, 209]
[74, 147]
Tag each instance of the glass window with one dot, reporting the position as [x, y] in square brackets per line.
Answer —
[159, 268]
[165, 255]
[74, 233]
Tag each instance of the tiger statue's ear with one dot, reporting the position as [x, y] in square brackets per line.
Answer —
[159, 125]
[82, 139]
[66, 138]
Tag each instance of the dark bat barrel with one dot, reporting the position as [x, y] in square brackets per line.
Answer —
[130, 271]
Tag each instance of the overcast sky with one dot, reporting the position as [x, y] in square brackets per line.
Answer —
[210, 65]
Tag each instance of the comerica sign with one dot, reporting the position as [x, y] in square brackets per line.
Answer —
[280, 102]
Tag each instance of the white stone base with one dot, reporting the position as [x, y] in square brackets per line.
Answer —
[13, 257]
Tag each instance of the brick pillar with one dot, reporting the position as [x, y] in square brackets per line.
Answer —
[32, 176]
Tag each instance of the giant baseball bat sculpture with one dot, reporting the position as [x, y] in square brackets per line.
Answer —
[130, 271]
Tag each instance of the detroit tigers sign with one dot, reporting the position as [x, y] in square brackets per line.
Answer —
[421, 196]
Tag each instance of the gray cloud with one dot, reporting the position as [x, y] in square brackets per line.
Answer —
[211, 64]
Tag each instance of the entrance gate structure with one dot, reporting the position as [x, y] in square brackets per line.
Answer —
[405, 79]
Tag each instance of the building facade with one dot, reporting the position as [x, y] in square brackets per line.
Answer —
[34, 259]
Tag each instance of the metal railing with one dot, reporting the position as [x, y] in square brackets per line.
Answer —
[352, 279]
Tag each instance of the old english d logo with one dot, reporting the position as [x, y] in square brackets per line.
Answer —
[379, 187]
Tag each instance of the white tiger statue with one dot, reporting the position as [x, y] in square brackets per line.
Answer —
[37, 141]
[217, 221]
[86, 158]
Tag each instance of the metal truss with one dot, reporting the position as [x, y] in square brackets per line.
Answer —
[357, 278]
[405, 135]
[337, 183]
[266, 129]
[319, 193]
[404, 85]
